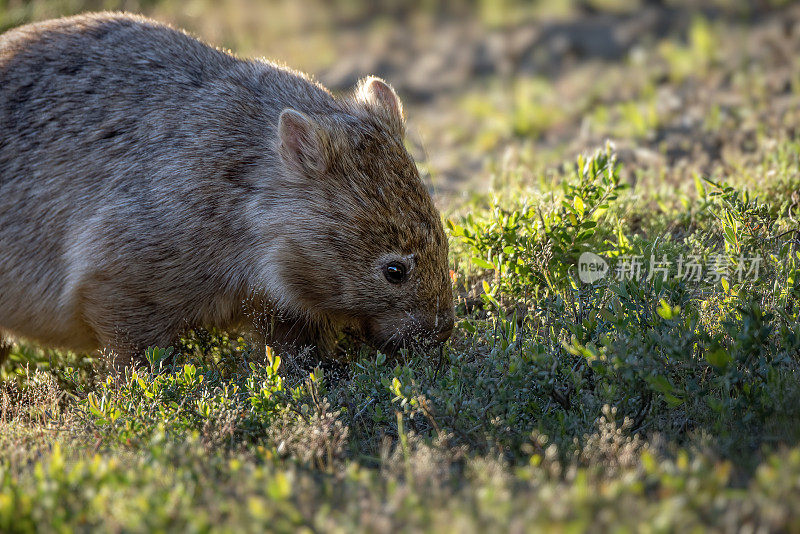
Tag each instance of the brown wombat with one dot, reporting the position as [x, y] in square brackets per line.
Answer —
[150, 183]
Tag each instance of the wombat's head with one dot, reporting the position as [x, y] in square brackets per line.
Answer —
[370, 249]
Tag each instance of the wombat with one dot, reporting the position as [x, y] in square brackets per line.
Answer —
[150, 183]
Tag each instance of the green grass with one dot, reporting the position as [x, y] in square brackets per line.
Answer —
[647, 403]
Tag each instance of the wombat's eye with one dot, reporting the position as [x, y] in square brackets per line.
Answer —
[395, 272]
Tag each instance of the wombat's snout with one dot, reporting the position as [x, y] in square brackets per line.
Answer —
[445, 328]
[436, 331]
[388, 336]
[444, 334]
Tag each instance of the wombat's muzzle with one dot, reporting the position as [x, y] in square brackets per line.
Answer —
[444, 334]
[415, 336]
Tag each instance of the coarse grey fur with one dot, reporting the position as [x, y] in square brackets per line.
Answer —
[150, 183]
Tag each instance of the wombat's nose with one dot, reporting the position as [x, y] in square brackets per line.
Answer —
[445, 330]
[444, 335]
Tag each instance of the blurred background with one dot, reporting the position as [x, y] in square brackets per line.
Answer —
[507, 90]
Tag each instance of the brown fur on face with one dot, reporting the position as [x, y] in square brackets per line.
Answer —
[150, 183]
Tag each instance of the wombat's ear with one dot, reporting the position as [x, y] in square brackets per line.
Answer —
[380, 97]
[301, 142]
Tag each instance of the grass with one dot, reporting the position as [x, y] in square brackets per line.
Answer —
[661, 403]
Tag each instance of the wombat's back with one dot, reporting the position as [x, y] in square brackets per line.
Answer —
[70, 82]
